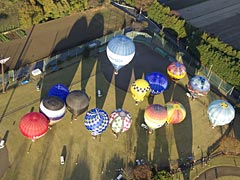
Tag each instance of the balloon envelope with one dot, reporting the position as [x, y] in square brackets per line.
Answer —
[120, 120]
[199, 85]
[33, 125]
[139, 89]
[220, 112]
[96, 121]
[176, 70]
[77, 102]
[176, 112]
[158, 82]
[53, 107]
[155, 116]
[59, 90]
[120, 51]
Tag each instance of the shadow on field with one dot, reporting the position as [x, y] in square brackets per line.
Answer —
[41, 164]
[115, 163]
[145, 61]
[141, 148]
[82, 169]
[182, 131]
[236, 126]
[78, 34]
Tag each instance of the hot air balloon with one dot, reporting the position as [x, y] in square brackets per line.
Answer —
[198, 86]
[176, 70]
[140, 89]
[33, 125]
[158, 82]
[176, 112]
[155, 116]
[59, 90]
[96, 121]
[120, 121]
[220, 112]
[77, 103]
[54, 108]
[120, 51]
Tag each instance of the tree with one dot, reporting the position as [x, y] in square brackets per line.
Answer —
[162, 175]
[143, 5]
[142, 172]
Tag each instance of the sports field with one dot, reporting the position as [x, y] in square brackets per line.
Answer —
[89, 159]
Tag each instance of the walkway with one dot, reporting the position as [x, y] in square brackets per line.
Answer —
[217, 172]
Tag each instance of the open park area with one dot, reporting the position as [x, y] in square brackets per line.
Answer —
[98, 159]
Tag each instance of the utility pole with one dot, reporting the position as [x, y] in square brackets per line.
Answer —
[3, 61]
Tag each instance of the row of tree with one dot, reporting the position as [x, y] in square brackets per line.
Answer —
[210, 50]
[38, 11]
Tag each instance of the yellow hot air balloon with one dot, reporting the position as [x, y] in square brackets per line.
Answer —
[140, 89]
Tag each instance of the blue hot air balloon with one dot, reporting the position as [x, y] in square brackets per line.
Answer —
[59, 90]
[96, 121]
[199, 85]
[220, 112]
[120, 51]
[158, 82]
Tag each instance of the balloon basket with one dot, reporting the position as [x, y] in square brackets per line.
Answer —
[115, 134]
[51, 123]
[150, 131]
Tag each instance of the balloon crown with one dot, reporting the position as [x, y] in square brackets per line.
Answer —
[224, 105]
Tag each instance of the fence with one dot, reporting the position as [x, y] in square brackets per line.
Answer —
[161, 44]
[167, 49]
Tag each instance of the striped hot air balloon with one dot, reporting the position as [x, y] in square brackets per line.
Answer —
[155, 116]
[176, 112]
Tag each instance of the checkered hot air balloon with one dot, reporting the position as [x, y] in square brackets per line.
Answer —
[33, 125]
[120, 121]
[155, 116]
[176, 112]
[198, 86]
[158, 82]
[220, 112]
[176, 70]
[96, 121]
[140, 89]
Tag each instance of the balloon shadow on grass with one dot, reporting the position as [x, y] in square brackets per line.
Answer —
[53, 75]
[145, 61]
[113, 168]
[94, 30]
[141, 148]
[82, 169]
[183, 134]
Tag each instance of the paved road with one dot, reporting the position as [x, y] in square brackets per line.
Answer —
[217, 172]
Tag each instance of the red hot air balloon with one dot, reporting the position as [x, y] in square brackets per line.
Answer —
[33, 125]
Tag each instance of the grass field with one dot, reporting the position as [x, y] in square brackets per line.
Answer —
[89, 159]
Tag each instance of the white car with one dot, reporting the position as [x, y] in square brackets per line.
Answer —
[62, 161]
[2, 143]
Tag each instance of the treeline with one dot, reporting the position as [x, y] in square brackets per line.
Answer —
[210, 50]
[38, 11]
